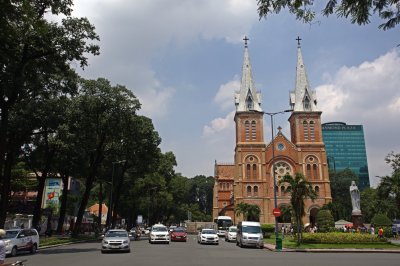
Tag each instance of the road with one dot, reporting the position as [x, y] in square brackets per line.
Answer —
[193, 254]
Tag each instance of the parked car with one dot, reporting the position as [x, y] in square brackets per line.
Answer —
[179, 234]
[17, 240]
[208, 236]
[116, 240]
[230, 234]
[249, 234]
[159, 233]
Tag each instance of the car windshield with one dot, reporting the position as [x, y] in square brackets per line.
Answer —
[159, 229]
[116, 234]
[232, 229]
[180, 230]
[251, 229]
[11, 234]
[210, 231]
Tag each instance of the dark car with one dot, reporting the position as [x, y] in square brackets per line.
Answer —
[179, 234]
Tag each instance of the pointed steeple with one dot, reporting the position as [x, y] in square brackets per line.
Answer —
[303, 98]
[247, 99]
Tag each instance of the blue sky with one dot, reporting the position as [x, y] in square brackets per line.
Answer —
[183, 60]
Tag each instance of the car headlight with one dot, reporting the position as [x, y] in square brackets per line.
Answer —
[152, 235]
[105, 242]
[125, 241]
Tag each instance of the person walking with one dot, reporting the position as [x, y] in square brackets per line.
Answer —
[380, 232]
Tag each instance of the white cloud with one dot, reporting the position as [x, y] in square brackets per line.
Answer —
[133, 33]
[369, 95]
[224, 96]
[219, 125]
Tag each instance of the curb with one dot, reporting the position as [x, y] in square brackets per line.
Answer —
[309, 250]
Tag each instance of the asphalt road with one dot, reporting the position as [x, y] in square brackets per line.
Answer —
[193, 254]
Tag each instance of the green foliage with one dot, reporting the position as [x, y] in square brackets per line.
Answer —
[341, 201]
[300, 189]
[250, 212]
[268, 230]
[380, 219]
[341, 238]
[325, 221]
[358, 11]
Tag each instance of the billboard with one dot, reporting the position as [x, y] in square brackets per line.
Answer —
[52, 193]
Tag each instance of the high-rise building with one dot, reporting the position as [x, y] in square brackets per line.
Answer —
[254, 176]
[345, 148]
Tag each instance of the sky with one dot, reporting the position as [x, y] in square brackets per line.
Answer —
[183, 60]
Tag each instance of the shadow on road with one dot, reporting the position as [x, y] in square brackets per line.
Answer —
[66, 250]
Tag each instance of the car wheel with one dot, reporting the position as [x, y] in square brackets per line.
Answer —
[240, 244]
[102, 251]
[128, 251]
[34, 249]
[261, 246]
[14, 252]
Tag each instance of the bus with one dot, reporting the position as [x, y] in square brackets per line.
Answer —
[223, 223]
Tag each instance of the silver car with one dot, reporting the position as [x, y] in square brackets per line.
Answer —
[116, 240]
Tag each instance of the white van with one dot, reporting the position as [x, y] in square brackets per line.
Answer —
[249, 234]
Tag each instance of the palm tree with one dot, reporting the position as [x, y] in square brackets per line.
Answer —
[250, 212]
[300, 190]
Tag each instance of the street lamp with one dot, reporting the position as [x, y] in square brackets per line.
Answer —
[271, 115]
[109, 214]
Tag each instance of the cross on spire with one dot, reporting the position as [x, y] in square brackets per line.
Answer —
[245, 39]
[298, 41]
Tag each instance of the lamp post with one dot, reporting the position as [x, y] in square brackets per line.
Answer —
[109, 214]
[271, 115]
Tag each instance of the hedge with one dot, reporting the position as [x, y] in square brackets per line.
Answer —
[341, 238]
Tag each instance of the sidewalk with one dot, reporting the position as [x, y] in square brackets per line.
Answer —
[271, 247]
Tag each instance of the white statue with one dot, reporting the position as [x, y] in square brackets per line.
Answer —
[355, 198]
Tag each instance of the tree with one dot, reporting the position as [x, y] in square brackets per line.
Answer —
[372, 203]
[300, 189]
[35, 57]
[325, 221]
[95, 119]
[341, 207]
[381, 219]
[250, 212]
[389, 186]
[359, 11]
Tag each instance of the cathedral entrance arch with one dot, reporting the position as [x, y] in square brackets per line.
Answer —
[313, 216]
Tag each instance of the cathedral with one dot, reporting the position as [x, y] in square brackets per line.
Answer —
[250, 179]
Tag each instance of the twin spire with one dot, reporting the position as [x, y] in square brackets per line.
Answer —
[247, 98]
[301, 99]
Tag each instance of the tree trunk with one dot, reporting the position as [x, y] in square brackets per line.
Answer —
[7, 185]
[4, 179]
[116, 198]
[37, 212]
[82, 206]
[63, 207]
[100, 204]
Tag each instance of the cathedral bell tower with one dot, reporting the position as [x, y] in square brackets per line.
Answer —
[250, 145]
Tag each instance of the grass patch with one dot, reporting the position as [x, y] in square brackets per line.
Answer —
[55, 240]
[290, 242]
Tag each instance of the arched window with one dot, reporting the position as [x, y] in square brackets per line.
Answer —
[249, 103]
[248, 191]
[308, 171]
[312, 133]
[256, 191]
[220, 186]
[317, 190]
[276, 189]
[254, 171]
[306, 103]
[248, 170]
[247, 129]
[315, 171]
[253, 130]
[305, 130]
[283, 192]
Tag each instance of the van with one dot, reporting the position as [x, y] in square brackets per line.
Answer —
[249, 234]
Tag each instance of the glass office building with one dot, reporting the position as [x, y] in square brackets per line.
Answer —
[345, 148]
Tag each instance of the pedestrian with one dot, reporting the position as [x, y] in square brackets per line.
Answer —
[372, 229]
[283, 232]
[2, 247]
[380, 232]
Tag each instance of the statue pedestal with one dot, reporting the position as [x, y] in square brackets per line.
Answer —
[356, 218]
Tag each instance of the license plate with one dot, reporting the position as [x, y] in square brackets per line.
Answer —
[115, 247]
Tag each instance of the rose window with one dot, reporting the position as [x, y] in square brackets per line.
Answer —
[282, 169]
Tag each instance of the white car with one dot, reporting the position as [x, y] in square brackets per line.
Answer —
[159, 233]
[230, 234]
[21, 240]
[208, 236]
[116, 240]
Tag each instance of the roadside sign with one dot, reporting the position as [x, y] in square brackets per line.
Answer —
[276, 212]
